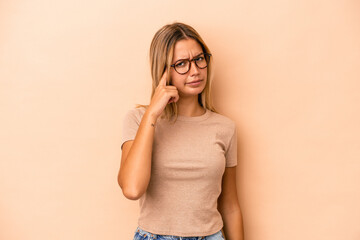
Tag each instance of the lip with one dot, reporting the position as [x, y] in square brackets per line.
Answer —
[194, 82]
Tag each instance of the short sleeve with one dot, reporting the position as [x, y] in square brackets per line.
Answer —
[231, 151]
[131, 122]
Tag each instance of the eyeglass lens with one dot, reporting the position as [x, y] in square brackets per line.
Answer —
[183, 66]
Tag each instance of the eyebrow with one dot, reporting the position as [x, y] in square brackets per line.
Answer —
[188, 58]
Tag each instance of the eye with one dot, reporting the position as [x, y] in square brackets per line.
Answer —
[180, 64]
[199, 58]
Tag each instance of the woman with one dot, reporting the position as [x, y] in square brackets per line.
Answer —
[178, 153]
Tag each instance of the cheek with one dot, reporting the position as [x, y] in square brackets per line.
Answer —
[205, 74]
[177, 79]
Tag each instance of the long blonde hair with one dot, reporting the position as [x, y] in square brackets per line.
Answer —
[161, 54]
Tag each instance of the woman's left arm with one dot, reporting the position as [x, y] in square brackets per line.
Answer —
[228, 206]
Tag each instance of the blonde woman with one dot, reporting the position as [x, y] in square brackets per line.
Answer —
[178, 153]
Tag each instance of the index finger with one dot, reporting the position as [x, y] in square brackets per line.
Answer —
[163, 79]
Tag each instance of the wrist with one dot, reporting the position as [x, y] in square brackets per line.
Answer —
[151, 118]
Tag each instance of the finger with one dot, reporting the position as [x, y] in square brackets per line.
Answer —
[175, 97]
[170, 87]
[171, 100]
[163, 79]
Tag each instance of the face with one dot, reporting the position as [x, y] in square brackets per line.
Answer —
[188, 49]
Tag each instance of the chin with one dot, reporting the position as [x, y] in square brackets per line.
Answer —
[195, 92]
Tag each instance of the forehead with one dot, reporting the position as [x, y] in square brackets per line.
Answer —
[186, 48]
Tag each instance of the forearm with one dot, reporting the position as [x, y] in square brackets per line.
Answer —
[233, 225]
[136, 170]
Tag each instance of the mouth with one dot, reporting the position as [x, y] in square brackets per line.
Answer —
[194, 82]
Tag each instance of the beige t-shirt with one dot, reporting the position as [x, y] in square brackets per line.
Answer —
[188, 162]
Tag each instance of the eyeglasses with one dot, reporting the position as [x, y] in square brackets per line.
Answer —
[182, 66]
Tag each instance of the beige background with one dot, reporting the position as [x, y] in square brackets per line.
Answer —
[286, 71]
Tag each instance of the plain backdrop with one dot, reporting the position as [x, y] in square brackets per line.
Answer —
[287, 72]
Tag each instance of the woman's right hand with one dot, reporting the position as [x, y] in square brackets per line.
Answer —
[163, 95]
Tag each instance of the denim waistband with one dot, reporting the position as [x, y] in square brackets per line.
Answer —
[155, 236]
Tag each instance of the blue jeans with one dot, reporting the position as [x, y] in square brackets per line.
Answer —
[141, 234]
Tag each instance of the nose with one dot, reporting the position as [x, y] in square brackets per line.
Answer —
[194, 70]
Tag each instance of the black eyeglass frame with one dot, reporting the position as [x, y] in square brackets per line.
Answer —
[207, 62]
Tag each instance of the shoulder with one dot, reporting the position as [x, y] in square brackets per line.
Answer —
[222, 119]
[226, 123]
[137, 110]
[135, 113]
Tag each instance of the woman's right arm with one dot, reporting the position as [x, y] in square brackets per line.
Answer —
[135, 169]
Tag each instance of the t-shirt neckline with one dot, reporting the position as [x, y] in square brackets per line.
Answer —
[194, 119]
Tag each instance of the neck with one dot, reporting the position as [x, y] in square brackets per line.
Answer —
[189, 107]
